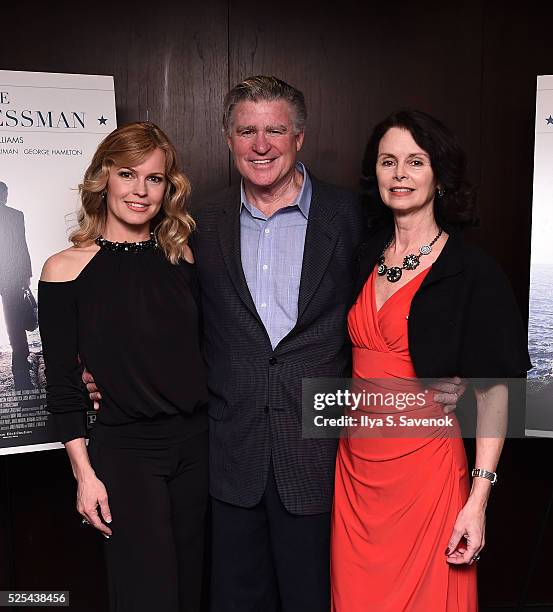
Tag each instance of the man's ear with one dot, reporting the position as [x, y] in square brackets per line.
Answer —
[299, 140]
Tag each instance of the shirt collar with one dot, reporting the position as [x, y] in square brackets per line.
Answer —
[302, 201]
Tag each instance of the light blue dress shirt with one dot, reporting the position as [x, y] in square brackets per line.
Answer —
[272, 254]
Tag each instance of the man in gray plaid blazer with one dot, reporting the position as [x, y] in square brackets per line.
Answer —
[275, 257]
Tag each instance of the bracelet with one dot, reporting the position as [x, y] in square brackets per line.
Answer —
[481, 473]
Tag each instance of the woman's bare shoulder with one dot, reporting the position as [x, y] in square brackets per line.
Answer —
[67, 264]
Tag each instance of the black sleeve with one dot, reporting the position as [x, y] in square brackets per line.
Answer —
[496, 343]
[57, 315]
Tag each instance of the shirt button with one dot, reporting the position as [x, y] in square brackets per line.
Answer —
[272, 361]
[267, 230]
[263, 305]
[265, 267]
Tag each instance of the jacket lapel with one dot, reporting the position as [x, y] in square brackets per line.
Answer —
[229, 238]
[320, 240]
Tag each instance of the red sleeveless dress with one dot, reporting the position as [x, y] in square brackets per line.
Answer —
[396, 498]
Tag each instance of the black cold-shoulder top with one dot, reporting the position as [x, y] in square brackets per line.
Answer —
[132, 320]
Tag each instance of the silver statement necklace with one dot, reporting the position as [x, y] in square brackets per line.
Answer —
[410, 262]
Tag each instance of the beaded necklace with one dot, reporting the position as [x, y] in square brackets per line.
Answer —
[129, 247]
[410, 261]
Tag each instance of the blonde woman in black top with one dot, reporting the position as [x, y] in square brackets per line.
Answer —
[122, 303]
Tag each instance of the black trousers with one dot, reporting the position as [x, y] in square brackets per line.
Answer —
[266, 559]
[11, 302]
[157, 492]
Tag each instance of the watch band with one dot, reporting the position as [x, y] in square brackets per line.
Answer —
[481, 473]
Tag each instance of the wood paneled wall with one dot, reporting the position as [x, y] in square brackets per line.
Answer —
[472, 64]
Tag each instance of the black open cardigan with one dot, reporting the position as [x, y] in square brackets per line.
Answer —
[464, 320]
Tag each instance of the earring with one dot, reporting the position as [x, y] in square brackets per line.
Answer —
[104, 194]
[440, 191]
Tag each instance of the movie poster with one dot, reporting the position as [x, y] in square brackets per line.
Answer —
[539, 418]
[50, 126]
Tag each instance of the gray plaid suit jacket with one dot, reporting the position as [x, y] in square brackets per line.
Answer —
[255, 392]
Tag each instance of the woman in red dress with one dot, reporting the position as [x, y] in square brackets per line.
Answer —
[407, 527]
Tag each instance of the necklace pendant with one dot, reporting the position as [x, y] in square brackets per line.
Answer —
[425, 249]
[411, 262]
[394, 274]
[382, 269]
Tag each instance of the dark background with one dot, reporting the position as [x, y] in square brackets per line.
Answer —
[473, 64]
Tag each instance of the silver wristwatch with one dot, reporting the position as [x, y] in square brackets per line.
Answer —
[481, 473]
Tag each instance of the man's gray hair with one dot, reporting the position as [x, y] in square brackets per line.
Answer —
[269, 88]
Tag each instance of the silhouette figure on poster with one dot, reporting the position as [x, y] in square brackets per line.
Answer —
[15, 276]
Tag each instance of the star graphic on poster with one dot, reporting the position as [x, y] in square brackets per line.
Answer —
[549, 120]
[102, 120]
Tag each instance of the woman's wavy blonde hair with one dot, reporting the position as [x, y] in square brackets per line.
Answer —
[129, 146]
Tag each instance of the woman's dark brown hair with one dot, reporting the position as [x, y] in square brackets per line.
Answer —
[457, 204]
